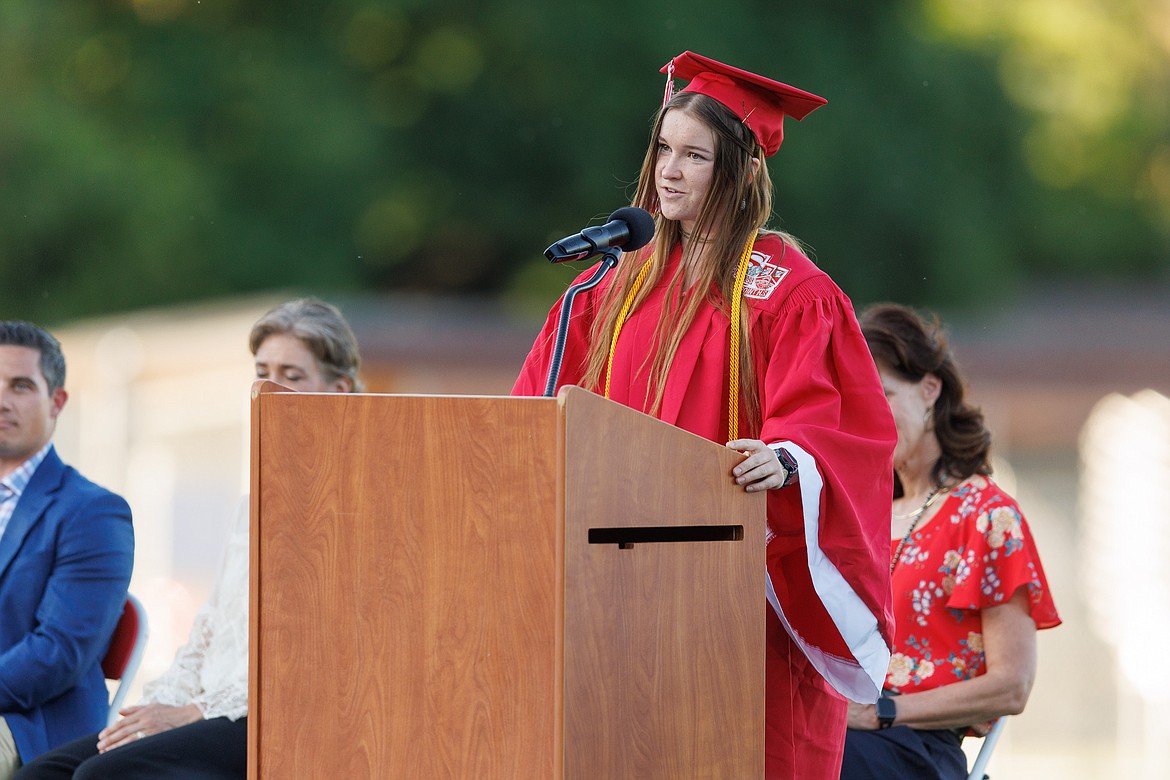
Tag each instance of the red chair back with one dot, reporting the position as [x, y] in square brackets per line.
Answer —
[127, 646]
[122, 644]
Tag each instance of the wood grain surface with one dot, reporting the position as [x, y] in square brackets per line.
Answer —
[426, 602]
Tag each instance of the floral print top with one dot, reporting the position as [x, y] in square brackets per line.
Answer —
[976, 552]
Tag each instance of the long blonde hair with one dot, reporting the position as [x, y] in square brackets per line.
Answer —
[737, 203]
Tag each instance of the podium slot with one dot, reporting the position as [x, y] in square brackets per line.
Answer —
[625, 538]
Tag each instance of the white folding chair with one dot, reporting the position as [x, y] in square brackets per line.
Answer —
[979, 768]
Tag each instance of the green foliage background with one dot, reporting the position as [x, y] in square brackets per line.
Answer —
[157, 151]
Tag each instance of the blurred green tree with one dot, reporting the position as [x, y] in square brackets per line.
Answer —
[155, 151]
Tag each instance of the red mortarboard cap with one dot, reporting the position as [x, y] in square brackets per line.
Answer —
[760, 103]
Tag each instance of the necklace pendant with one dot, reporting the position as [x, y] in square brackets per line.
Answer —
[914, 517]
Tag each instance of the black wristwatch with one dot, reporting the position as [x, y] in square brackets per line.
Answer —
[886, 712]
[789, 464]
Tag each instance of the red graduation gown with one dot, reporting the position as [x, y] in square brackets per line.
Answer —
[830, 621]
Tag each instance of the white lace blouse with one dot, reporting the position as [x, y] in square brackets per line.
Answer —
[211, 669]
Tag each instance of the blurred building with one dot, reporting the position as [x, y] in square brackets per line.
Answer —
[1074, 386]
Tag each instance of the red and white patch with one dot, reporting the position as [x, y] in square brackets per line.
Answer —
[763, 276]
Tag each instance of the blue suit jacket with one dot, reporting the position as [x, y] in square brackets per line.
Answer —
[65, 562]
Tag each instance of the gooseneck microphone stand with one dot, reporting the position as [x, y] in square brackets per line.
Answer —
[608, 260]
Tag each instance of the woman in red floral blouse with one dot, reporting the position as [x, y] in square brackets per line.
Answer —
[969, 589]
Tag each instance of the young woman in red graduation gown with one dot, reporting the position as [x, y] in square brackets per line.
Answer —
[729, 331]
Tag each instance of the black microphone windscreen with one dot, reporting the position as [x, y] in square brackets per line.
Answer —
[641, 226]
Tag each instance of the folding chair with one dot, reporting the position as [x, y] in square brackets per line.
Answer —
[979, 768]
[125, 652]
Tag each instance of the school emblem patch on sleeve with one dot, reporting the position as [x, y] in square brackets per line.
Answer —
[763, 276]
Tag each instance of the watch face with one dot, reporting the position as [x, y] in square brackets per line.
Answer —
[789, 465]
[886, 710]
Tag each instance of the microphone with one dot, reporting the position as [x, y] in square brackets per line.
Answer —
[629, 228]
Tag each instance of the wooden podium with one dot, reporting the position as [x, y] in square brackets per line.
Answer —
[493, 587]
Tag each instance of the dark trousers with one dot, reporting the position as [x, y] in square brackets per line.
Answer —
[215, 749]
[904, 753]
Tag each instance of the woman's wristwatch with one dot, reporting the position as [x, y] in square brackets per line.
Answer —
[788, 463]
[886, 711]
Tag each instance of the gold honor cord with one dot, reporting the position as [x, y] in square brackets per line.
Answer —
[733, 370]
[621, 320]
[736, 305]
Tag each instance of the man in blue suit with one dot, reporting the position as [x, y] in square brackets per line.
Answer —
[66, 551]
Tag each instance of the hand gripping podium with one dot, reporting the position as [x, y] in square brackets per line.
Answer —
[494, 587]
